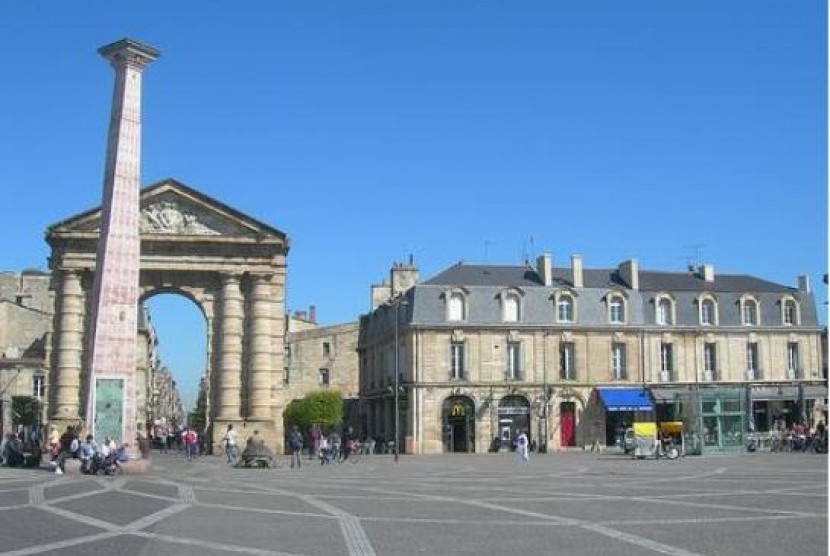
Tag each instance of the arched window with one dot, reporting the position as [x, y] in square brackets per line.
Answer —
[510, 307]
[665, 311]
[749, 311]
[616, 309]
[708, 312]
[789, 312]
[565, 308]
[456, 307]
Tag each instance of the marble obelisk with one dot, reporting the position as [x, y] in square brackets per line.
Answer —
[111, 405]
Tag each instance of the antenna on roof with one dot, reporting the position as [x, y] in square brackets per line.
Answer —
[487, 244]
[694, 259]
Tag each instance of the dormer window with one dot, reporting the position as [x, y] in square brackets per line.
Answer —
[510, 306]
[789, 312]
[665, 311]
[616, 309]
[749, 311]
[456, 305]
[708, 311]
[564, 307]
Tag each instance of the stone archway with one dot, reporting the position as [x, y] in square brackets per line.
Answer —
[231, 266]
[458, 424]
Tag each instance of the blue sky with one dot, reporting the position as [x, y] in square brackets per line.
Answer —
[367, 131]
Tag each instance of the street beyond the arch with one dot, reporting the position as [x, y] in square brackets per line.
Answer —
[572, 504]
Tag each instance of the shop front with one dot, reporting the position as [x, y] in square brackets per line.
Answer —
[786, 404]
[514, 415]
[458, 424]
[622, 408]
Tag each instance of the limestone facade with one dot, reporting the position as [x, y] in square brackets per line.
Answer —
[25, 322]
[322, 358]
[484, 348]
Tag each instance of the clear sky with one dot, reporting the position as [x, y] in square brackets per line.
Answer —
[671, 132]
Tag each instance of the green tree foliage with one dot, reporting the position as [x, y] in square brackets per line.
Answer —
[323, 408]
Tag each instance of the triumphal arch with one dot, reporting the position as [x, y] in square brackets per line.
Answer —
[230, 265]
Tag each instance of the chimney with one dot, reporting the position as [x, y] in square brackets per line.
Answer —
[543, 268]
[804, 283]
[707, 272]
[379, 294]
[312, 314]
[403, 276]
[576, 267]
[630, 272]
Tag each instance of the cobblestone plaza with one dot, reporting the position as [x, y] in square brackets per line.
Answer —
[570, 503]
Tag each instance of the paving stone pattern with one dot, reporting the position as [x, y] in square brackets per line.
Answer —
[572, 504]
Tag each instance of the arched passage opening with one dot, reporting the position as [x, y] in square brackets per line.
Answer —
[178, 389]
[458, 424]
[514, 415]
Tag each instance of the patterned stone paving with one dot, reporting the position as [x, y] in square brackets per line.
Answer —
[570, 504]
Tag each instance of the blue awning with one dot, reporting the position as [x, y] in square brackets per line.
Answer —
[625, 399]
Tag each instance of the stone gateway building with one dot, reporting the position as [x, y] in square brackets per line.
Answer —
[571, 355]
[231, 266]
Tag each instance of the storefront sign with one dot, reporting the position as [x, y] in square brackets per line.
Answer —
[514, 410]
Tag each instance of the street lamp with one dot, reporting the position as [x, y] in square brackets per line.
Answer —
[397, 301]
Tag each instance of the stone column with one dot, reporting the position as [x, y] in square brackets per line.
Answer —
[261, 352]
[114, 310]
[69, 349]
[230, 362]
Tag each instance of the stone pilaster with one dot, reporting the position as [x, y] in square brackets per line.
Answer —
[261, 350]
[69, 352]
[230, 362]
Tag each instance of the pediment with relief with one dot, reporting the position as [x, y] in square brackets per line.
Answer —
[170, 208]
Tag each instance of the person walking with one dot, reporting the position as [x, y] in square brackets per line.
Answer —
[230, 445]
[295, 445]
[522, 447]
[314, 434]
[190, 439]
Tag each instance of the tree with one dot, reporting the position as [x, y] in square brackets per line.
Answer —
[323, 408]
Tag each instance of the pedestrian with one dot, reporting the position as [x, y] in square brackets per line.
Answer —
[295, 445]
[314, 435]
[190, 443]
[230, 444]
[521, 446]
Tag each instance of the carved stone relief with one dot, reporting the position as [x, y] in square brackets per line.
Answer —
[166, 217]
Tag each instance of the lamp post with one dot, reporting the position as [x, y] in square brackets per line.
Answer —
[397, 301]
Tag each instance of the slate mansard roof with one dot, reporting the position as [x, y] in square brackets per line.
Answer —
[484, 283]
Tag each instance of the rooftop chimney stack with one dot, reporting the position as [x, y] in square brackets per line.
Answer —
[630, 272]
[403, 276]
[576, 267]
[804, 283]
[543, 268]
[707, 272]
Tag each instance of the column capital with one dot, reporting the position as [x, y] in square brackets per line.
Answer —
[128, 52]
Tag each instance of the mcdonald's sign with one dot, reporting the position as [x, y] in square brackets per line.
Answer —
[458, 410]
